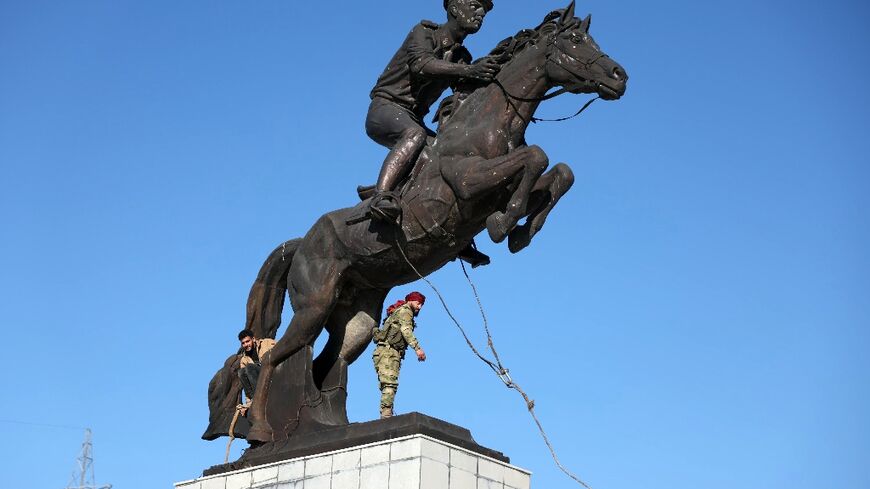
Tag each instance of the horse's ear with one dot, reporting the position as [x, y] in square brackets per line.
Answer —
[568, 15]
[586, 23]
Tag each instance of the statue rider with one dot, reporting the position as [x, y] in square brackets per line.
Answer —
[431, 59]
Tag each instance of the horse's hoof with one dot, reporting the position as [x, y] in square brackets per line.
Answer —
[519, 238]
[496, 227]
[260, 432]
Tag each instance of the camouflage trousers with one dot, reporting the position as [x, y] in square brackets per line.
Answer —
[387, 362]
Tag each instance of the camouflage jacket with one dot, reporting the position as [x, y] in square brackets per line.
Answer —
[398, 330]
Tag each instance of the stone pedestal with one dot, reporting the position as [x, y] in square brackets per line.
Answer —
[411, 462]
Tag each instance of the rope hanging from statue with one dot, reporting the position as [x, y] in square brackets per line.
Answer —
[496, 366]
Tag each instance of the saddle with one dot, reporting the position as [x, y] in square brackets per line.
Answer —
[391, 206]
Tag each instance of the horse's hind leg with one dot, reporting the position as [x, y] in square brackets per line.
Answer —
[314, 284]
[547, 192]
[350, 330]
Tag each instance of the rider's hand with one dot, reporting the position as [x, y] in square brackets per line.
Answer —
[484, 70]
[421, 355]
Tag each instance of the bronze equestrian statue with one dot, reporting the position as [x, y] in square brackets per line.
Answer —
[478, 173]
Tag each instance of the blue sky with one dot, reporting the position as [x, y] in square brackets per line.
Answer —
[695, 313]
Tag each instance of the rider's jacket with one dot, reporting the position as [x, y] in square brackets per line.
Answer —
[403, 81]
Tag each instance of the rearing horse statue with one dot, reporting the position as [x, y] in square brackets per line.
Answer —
[478, 174]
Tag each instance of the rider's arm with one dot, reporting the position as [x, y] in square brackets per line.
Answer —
[439, 68]
[422, 59]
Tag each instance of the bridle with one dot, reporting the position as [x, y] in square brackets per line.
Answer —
[549, 59]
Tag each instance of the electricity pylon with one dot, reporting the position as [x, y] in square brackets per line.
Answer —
[83, 475]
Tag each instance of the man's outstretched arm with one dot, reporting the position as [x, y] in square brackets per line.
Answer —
[406, 326]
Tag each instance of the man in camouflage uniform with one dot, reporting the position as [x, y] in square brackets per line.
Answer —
[392, 340]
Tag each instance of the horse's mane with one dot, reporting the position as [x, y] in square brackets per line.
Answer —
[503, 53]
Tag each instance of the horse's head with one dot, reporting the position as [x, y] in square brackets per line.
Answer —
[575, 61]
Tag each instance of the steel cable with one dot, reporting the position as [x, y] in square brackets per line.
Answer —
[497, 366]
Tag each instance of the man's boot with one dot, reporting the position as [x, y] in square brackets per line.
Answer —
[388, 396]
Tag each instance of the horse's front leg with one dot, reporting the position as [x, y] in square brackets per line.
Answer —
[314, 286]
[547, 192]
[473, 179]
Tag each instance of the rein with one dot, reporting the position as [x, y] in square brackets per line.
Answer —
[510, 97]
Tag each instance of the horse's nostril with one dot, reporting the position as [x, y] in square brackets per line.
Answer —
[618, 73]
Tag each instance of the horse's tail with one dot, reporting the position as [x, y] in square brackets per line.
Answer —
[266, 299]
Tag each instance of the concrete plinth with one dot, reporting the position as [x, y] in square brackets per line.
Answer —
[411, 462]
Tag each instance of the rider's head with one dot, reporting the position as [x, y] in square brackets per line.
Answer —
[469, 14]
[246, 338]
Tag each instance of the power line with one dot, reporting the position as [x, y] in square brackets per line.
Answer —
[43, 425]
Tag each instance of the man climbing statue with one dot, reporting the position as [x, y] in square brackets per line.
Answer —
[252, 353]
[392, 340]
[431, 59]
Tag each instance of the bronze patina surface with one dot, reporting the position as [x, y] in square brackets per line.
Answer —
[477, 174]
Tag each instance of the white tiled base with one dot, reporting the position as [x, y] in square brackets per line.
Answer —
[412, 462]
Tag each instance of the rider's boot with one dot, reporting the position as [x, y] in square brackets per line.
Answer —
[384, 205]
[472, 256]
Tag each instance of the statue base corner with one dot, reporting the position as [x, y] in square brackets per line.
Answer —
[410, 451]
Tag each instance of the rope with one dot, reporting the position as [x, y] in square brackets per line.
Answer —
[232, 430]
[513, 385]
[497, 366]
[485, 360]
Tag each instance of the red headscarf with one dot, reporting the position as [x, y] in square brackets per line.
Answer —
[391, 309]
[415, 296]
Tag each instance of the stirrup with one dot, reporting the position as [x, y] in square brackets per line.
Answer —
[386, 207]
